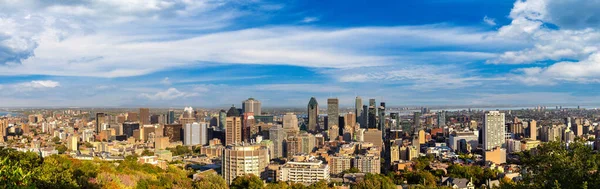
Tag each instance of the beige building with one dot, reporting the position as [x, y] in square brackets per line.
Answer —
[304, 169]
[338, 164]
[496, 156]
[233, 133]
[241, 160]
[368, 164]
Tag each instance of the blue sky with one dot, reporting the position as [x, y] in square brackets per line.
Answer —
[172, 53]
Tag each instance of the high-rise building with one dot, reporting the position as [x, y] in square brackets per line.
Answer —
[416, 120]
[252, 105]
[144, 116]
[290, 124]
[358, 104]
[191, 134]
[368, 163]
[332, 112]
[493, 130]
[129, 127]
[382, 119]
[171, 117]
[244, 159]
[306, 143]
[100, 120]
[532, 129]
[441, 119]
[204, 133]
[365, 117]
[277, 135]
[233, 131]
[313, 114]
[222, 120]
[349, 126]
[173, 132]
[338, 164]
[3, 128]
[306, 170]
[132, 116]
[372, 114]
[249, 130]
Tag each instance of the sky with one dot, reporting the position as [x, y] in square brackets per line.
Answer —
[214, 53]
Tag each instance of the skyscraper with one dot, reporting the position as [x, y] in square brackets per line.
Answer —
[365, 117]
[233, 131]
[416, 120]
[252, 105]
[277, 135]
[171, 117]
[100, 120]
[333, 117]
[358, 109]
[129, 127]
[203, 133]
[191, 134]
[249, 131]
[372, 114]
[493, 130]
[290, 124]
[144, 116]
[532, 129]
[132, 116]
[382, 117]
[313, 114]
[222, 120]
[441, 119]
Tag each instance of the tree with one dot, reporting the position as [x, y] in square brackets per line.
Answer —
[247, 182]
[375, 181]
[213, 181]
[56, 140]
[61, 148]
[12, 175]
[147, 153]
[56, 172]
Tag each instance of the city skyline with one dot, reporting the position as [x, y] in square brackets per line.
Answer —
[195, 53]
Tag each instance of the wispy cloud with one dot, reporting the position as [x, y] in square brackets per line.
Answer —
[169, 94]
[489, 21]
[310, 19]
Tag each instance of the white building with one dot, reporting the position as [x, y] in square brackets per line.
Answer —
[305, 170]
[493, 130]
[191, 134]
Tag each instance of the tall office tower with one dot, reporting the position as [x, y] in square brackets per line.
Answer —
[290, 124]
[252, 105]
[277, 135]
[372, 114]
[333, 113]
[129, 127]
[155, 119]
[132, 116]
[532, 129]
[171, 117]
[313, 115]
[395, 120]
[291, 146]
[306, 143]
[305, 170]
[381, 125]
[204, 133]
[241, 160]
[250, 130]
[417, 120]
[233, 131]
[3, 128]
[144, 116]
[100, 120]
[191, 134]
[173, 131]
[493, 130]
[358, 104]
[121, 119]
[349, 126]
[222, 120]
[365, 117]
[441, 119]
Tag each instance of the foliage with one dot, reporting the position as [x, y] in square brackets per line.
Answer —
[375, 181]
[213, 181]
[179, 150]
[553, 165]
[247, 182]
[147, 153]
[61, 148]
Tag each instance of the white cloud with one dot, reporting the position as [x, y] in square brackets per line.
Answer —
[166, 81]
[308, 88]
[310, 19]
[489, 21]
[169, 94]
[38, 84]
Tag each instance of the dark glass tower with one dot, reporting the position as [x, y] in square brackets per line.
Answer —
[313, 114]
[372, 114]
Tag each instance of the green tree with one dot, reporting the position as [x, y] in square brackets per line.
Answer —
[212, 181]
[247, 182]
[56, 172]
[56, 140]
[12, 175]
[277, 185]
[61, 148]
[375, 181]
[147, 153]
